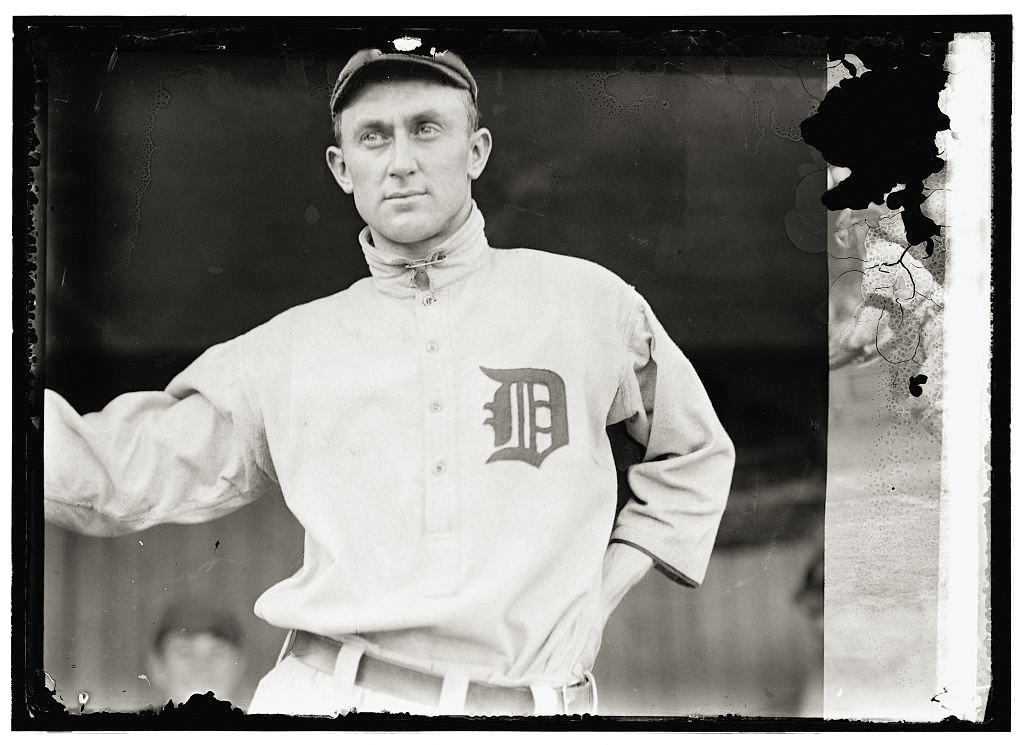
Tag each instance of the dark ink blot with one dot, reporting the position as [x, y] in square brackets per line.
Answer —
[201, 707]
[41, 699]
[915, 384]
[216, 545]
[882, 126]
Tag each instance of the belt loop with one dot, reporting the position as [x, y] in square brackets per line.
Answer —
[593, 691]
[289, 639]
[346, 665]
[453, 692]
[545, 701]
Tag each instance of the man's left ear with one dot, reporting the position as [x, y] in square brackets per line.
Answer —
[479, 152]
[336, 162]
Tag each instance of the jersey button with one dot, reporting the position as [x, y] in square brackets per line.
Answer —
[436, 406]
[428, 300]
[432, 347]
[438, 469]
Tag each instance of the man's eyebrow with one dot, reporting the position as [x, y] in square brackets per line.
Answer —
[418, 116]
[367, 123]
[432, 114]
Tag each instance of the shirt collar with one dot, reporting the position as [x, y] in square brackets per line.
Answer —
[464, 252]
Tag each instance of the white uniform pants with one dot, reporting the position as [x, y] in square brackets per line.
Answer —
[294, 687]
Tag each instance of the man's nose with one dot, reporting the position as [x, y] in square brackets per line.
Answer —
[403, 155]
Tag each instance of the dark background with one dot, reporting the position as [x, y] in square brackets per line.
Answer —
[186, 199]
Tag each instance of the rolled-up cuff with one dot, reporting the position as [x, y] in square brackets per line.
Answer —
[669, 563]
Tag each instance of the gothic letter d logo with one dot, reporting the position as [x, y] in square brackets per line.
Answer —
[528, 414]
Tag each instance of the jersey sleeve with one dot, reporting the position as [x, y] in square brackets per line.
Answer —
[188, 454]
[681, 486]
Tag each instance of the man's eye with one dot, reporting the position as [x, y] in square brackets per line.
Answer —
[428, 129]
[371, 138]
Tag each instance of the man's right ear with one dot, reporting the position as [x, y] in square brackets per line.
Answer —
[336, 162]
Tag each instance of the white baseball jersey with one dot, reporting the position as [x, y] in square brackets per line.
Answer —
[444, 448]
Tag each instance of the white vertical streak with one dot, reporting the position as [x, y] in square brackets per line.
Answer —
[966, 422]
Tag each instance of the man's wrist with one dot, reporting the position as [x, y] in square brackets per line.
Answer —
[627, 555]
[624, 566]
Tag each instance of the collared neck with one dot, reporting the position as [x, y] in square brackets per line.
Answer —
[464, 252]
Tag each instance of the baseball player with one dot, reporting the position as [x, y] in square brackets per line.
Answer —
[439, 430]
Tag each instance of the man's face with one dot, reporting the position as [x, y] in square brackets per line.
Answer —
[196, 663]
[408, 158]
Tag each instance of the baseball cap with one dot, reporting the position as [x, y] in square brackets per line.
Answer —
[447, 63]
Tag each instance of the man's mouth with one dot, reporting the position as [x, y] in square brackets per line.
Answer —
[398, 195]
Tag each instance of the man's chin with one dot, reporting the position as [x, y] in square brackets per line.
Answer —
[412, 238]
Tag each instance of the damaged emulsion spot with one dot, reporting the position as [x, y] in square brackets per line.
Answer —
[881, 131]
[630, 87]
[161, 99]
[882, 125]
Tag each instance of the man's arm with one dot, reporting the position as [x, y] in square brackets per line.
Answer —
[187, 454]
[680, 488]
[623, 567]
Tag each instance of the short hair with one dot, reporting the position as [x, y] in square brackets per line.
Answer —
[399, 71]
[191, 616]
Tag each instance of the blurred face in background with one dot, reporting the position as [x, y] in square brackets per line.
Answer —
[188, 663]
[409, 155]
